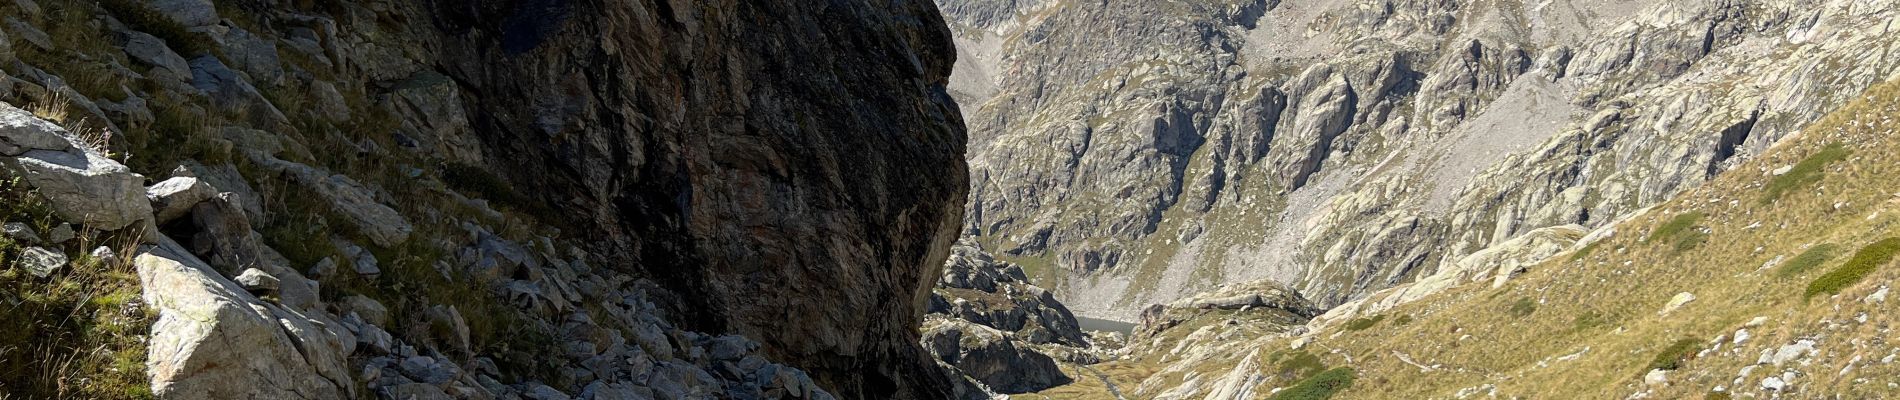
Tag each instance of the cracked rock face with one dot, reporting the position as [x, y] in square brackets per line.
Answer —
[784, 166]
[1149, 150]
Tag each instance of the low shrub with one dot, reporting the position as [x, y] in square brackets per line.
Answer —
[1360, 324]
[1319, 387]
[1523, 307]
[1862, 264]
[1684, 222]
[1807, 172]
[1298, 365]
[1673, 357]
[1809, 259]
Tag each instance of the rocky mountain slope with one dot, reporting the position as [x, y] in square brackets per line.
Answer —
[1133, 153]
[1771, 280]
[474, 200]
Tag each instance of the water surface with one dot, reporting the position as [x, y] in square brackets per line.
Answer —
[1094, 324]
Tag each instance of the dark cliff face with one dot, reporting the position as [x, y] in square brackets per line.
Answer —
[792, 171]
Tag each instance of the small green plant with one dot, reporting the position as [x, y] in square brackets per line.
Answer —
[1684, 222]
[1809, 259]
[1862, 264]
[1807, 172]
[1360, 324]
[1319, 387]
[1586, 251]
[1402, 320]
[1589, 320]
[1688, 241]
[1673, 357]
[1523, 307]
[1298, 365]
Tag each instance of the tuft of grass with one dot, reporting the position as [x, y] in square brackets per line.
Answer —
[1587, 250]
[1360, 324]
[1689, 241]
[1589, 320]
[1319, 387]
[1862, 264]
[1684, 222]
[75, 334]
[1298, 365]
[1807, 172]
[1523, 307]
[1809, 259]
[1676, 355]
[1402, 320]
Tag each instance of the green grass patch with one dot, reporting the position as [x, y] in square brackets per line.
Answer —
[1402, 320]
[1676, 355]
[1689, 241]
[1857, 268]
[1805, 173]
[1587, 250]
[1297, 365]
[1523, 307]
[1809, 259]
[76, 334]
[1360, 324]
[1319, 387]
[1684, 222]
[1589, 320]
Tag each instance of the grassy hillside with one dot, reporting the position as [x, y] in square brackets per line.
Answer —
[1788, 259]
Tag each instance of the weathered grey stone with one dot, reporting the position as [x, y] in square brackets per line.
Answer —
[190, 13]
[381, 224]
[256, 281]
[329, 102]
[21, 131]
[417, 391]
[232, 94]
[86, 187]
[228, 241]
[151, 50]
[361, 260]
[254, 55]
[20, 232]
[32, 34]
[175, 197]
[450, 321]
[41, 261]
[105, 256]
[324, 268]
[61, 233]
[371, 310]
[213, 340]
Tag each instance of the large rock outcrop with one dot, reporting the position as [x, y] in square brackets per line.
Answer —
[783, 166]
[519, 196]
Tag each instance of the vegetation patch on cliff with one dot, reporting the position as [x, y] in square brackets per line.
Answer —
[77, 332]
